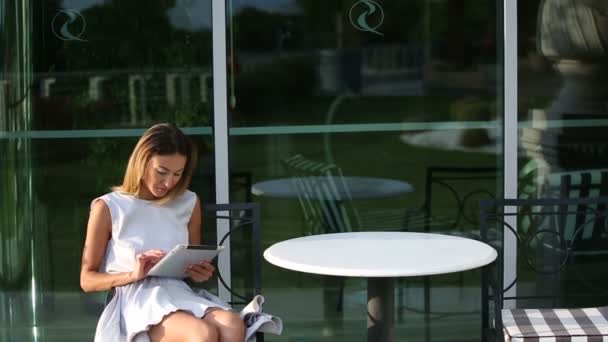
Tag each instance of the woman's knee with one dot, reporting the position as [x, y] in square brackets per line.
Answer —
[227, 322]
[183, 326]
[203, 331]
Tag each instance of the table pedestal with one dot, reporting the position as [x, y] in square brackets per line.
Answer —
[333, 312]
[380, 308]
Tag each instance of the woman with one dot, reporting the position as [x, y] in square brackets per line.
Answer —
[129, 231]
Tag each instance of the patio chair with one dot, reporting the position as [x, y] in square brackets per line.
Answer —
[327, 201]
[245, 235]
[562, 250]
[451, 197]
[450, 206]
[245, 239]
[323, 209]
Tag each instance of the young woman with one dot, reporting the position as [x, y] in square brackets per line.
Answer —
[131, 228]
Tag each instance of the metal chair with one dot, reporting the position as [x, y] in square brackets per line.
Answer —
[245, 238]
[459, 188]
[450, 206]
[561, 245]
[245, 228]
[323, 208]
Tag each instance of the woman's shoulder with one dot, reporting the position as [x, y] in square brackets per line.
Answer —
[116, 195]
[114, 198]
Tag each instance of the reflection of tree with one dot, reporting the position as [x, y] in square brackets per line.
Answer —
[261, 31]
[464, 30]
[135, 34]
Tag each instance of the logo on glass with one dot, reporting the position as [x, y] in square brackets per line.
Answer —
[69, 25]
[367, 16]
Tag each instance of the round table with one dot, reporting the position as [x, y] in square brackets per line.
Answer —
[347, 187]
[380, 257]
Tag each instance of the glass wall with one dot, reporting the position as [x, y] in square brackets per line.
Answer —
[79, 82]
[400, 103]
[562, 145]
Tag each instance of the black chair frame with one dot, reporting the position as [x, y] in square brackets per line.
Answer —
[546, 216]
[238, 222]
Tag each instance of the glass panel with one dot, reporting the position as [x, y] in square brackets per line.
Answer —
[562, 120]
[399, 103]
[79, 82]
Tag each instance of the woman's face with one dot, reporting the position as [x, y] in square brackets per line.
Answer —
[162, 174]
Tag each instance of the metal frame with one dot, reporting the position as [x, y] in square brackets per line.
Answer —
[236, 215]
[510, 138]
[220, 128]
[239, 216]
[590, 213]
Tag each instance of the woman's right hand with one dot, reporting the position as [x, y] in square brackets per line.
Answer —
[144, 262]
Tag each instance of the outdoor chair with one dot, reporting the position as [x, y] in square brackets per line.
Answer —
[560, 283]
[451, 197]
[245, 240]
[323, 209]
[327, 202]
[245, 235]
[316, 184]
[450, 206]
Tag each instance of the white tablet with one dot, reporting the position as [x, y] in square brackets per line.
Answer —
[175, 262]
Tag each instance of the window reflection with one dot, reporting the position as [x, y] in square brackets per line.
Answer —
[78, 80]
[324, 92]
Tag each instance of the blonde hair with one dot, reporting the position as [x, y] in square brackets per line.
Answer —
[160, 139]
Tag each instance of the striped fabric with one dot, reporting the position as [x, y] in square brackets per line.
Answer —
[556, 325]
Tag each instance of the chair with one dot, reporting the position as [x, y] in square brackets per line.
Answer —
[241, 216]
[450, 206]
[245, 240]
[245, 234]
[562, 243]
[324, 209]
[451, 195]
[327, 202]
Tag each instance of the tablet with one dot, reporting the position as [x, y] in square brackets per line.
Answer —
[175, 262]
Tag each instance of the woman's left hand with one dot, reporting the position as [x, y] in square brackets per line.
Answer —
[200, 272]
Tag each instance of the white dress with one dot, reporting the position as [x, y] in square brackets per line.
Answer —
[137, 226]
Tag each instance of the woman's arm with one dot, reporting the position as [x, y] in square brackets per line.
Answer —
[99, 230]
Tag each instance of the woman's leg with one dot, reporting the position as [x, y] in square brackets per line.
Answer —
[228, 324]
[182, 326]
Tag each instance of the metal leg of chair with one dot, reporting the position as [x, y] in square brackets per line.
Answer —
[485, 305]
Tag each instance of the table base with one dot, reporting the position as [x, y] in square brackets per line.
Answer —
[380, 308]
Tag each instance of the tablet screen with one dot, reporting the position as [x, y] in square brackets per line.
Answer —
[181, 256]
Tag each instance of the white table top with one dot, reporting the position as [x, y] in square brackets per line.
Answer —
[380, 254]
[357, 187]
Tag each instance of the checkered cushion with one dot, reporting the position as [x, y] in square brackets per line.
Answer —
[556, 325]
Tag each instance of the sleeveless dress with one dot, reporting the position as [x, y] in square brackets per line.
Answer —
[137, 226]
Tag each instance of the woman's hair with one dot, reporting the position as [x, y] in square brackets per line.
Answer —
[160, 139]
